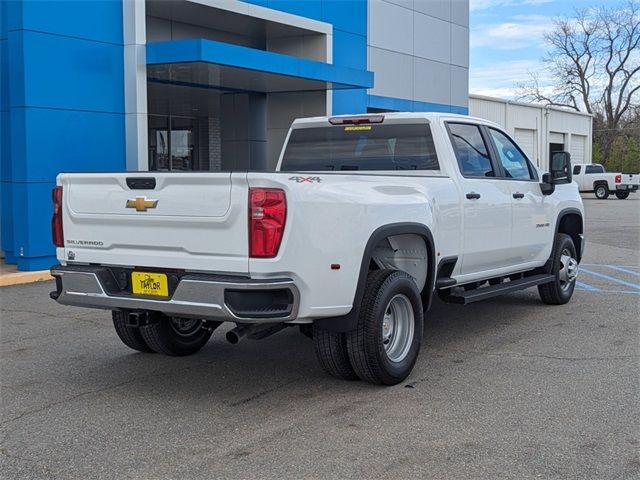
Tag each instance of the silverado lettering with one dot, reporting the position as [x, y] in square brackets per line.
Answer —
[93, 243]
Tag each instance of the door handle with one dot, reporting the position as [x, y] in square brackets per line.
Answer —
[473, 196]
[518, 195]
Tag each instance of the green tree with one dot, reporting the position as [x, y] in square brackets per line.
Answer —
[632, 158]
[596, 156]
[616, 157]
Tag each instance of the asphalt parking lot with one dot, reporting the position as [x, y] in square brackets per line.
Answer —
[508, 388]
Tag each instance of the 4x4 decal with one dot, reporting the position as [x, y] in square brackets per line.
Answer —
[305, 179]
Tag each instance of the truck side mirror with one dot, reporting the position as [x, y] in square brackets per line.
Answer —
[547, 187]
[561, 168]
[559, 173]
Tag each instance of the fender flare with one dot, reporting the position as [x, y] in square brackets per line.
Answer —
[597, 183]
[348, 322]
[563, 213]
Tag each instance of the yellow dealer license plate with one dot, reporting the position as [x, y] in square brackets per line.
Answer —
[154, 284]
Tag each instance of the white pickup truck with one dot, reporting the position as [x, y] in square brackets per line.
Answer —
[364, 220]
[594, 178]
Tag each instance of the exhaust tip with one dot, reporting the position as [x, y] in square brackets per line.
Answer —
[232, 337]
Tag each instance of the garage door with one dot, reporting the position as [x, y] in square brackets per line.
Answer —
[577, 148]
[555, 137]
[526, 139]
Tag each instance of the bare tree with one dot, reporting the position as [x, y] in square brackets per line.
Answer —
[594, 63]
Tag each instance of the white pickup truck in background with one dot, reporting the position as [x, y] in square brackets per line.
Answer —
[364, 220]
[594, 178]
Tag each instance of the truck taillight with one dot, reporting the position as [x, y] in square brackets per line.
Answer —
[618, 178]
[56, 221]
[267, 216]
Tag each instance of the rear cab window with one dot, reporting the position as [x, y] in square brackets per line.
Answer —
[361, 147]
[577, 169]
[594, 169]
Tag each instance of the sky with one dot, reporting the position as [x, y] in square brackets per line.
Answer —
[506, 40]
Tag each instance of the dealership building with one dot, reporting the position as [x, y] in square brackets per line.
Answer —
[200, 85]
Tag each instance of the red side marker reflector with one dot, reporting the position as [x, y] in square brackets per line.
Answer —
[335, 266]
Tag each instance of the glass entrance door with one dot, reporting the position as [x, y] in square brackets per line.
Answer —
[173, 143]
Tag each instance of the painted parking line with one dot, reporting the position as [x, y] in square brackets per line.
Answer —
[624, 292]
[585, 286]
[605, 265]
[608, 287]
[606, 292]
[611, 279]
[624, 270]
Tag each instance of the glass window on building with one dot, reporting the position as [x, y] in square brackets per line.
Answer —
[173, 144]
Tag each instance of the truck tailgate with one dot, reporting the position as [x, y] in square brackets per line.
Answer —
[191, 221]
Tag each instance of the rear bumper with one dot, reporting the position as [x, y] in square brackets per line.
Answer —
[210, 297]
[626, 188]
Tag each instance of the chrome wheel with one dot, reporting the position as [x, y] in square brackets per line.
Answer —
[568, 269]
[398, 327]
[185, 326]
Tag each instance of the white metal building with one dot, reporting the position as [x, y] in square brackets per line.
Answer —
[539, 129]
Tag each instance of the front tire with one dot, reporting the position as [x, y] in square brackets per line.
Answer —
[384, 346]
[565, 268]
[130, 336]
[332, 354]
[601, 192]
[622, 195]
[176, 336]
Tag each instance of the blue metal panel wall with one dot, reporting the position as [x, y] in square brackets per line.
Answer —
[349, 19]
[62, 110]
[403, 105]
[6, 218]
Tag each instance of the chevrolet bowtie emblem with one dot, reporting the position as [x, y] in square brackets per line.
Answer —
[141, 204]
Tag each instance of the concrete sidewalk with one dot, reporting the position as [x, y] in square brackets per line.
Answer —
[9, 275]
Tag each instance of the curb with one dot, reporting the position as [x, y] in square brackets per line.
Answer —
[21, 278]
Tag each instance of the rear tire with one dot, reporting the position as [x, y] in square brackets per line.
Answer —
[601, 191]
[130, 336]
[332, 354]
[384, 346]
[176, 336]
[565, 268]
[622, 195]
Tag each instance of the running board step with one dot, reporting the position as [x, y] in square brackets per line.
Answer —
[445, 282]
[483, 293]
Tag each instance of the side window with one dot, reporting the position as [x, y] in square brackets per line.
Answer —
[594, 169]
[513, 161]
[577, 169]
[471, 151]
